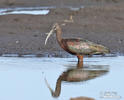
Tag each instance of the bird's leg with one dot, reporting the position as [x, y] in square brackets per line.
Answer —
[80, 64]
[80, 61]
[80, 58]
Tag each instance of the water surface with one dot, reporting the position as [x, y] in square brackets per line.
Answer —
[24, 78]
[43, 10]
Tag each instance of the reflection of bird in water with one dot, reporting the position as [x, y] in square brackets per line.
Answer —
[82, 98]
[78, 47]
[75, 75]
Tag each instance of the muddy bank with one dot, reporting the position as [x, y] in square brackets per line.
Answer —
[25, 34]
[57, 3]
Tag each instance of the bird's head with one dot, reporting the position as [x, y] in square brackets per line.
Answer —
[54, 94]
[54, 28]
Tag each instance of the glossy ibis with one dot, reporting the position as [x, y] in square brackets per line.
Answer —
[78, 47]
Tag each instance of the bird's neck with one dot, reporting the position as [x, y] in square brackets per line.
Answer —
[58, 87]
[58, 34]
[59, 37]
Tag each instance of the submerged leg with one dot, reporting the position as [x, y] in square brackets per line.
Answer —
[80, 61]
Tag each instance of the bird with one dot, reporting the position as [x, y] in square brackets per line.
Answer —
[77, 46]
[76, 75]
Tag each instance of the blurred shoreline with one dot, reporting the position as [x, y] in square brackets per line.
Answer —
[57, 3]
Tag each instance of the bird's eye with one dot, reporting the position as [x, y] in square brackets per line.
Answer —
[54, 28]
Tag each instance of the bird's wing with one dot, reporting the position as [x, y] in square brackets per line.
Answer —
[80, 46]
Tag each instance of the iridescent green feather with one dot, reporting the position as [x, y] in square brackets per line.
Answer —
[81, 46]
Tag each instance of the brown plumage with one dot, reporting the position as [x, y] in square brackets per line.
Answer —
[82, 98]
[78, 47]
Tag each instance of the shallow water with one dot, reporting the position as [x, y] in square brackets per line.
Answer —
[33, 10]
[24, 78]
[24, 11]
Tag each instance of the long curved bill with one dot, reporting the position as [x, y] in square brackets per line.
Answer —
[49, 34]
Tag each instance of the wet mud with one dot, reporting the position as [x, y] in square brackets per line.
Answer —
[99, 22]
[61, 3]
